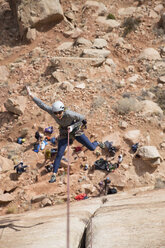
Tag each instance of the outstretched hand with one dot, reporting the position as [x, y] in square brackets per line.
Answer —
[29, 91]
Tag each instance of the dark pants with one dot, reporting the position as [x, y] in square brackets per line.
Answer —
[62, 144]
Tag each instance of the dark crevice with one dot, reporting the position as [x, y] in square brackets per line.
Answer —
[82, 242]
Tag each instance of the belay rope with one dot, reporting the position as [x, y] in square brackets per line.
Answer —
[68, 197]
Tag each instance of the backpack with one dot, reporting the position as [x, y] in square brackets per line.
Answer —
[102, 164]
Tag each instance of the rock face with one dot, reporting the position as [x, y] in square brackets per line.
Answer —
[120, 214]
[33, 14]
[128, 220]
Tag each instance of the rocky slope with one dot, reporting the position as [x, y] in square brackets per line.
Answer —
[104, 60]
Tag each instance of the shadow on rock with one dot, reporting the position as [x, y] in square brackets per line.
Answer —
[6, 223]
[40, 165]
[141, 167]
[14, 176]
[44, 172]
[6, 117]
[29, 147]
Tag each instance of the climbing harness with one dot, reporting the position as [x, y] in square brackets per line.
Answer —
[68, 197]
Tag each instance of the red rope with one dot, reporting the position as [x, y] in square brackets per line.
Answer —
[68, 198]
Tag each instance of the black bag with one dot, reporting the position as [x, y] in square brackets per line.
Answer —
[101, 164]
[112, 191]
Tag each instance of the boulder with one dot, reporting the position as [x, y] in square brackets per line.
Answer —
[162, 21]
[92, 53]
[99, 43]
[66, 86]
[159, 8]
[4, 74]
[80, 86]
[100, 7]
[59, 76]
[132, 136]
[111, 63]
[6, 198]
[98, 62]
[31, 34]
[110, 24]
[149, 154]
[87, 188]
[65, 46]
[159, 68]
[153, 14]
[34, 14]
[134, 78]
[150, 108]
[161, 80]
[74, 34]
[149, 54]
[127, 11]
[46, 202]
[38, 198]
[5, 164]
[115, 138]
[84, 42]
[9, 185]
[16, 105]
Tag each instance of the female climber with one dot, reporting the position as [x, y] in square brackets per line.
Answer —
[68, 121]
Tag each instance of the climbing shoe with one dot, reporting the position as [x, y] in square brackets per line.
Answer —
[53, 179]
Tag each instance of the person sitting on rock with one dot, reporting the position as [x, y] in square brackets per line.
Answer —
[68, 121]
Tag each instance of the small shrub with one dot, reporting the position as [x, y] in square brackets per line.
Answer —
[160, 97]
[159, 184]
[104, 200]
[126, 105]
[11, 210]
[130, 24]
[111, 16]
[97, 102]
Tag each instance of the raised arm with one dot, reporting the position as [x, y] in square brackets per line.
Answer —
[39, 103]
